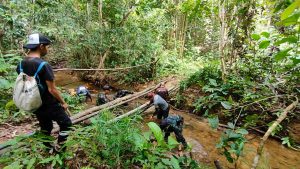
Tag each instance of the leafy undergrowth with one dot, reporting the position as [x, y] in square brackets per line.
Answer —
[247, 100]
[101, 145]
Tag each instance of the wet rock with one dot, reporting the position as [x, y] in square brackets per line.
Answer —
[198, 152]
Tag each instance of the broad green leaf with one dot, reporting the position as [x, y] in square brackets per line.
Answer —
[282, 54]
[14, 165]
[290, 20]
[290, 9]
[295, 60]
[230, 125]
[240, 148]
[286, 140]
[266, 34]
[213, 82]
[175, 163]
[226, 105]
[290, 39]
[147, 135]
[31, 163]
[47, 160]
[255, 36]
[166, 161]
[242, 131]
[156, 132]
[264, 44]
[213, 122]
[172, 143]
[4, 84]
[228, 156]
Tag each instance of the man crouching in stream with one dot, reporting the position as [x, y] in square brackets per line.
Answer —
[162, 108]
[168, 124]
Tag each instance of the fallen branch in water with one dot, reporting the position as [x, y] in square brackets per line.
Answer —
[217, 164]
[271, 128]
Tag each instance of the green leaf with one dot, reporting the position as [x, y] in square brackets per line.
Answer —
[14, 165]
[31, 163]
[175, 163]
[266, 34]
[230, 125]
[213, 82]
[226, 105]
[156, 132]
[166, 161]
[4, 84]
[264, 44]
[213, 122]
[47, 160]
[295, 60]
[255, 36]
[290, 39]
[286, 140]
[282, 54]
[228, 156]
[242, 131]
[290, 9]
[290, 20]
[172, 143]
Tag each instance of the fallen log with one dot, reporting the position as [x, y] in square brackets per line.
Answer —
[89, 114]
[118, 101]
[108, 69]
[141, 108]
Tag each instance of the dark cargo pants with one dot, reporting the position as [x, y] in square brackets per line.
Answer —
[46, 114]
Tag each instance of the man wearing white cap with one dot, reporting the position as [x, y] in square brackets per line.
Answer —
[53, 105]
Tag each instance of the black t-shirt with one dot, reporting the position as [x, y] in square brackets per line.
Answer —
[30, 66]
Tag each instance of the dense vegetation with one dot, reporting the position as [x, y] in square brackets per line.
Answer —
[101, 144]
[241, 55]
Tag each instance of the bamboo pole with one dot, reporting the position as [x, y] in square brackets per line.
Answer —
[91, 112]
[99, 69]
[271, 128]
[118, 101]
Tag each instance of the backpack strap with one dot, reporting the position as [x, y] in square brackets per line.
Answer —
[20, 66]
[39, 69]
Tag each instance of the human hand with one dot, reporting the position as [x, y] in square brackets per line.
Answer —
[65, 106]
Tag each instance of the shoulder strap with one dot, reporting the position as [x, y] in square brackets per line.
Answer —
[39, 69]
[20, 66]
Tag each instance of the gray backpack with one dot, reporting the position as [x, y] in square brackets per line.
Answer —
[26, 94]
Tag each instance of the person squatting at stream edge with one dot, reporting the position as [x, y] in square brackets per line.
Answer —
[84, 92]
[163, 92]
[122, 93]
[102, 97]
[162, 108]
[53, 106]
[173, 124]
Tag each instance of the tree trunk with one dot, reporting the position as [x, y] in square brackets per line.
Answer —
[89, 8]
[183, 34]
[100, 4]
[223, 35]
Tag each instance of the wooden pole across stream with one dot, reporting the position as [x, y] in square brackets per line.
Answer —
[97, 109]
